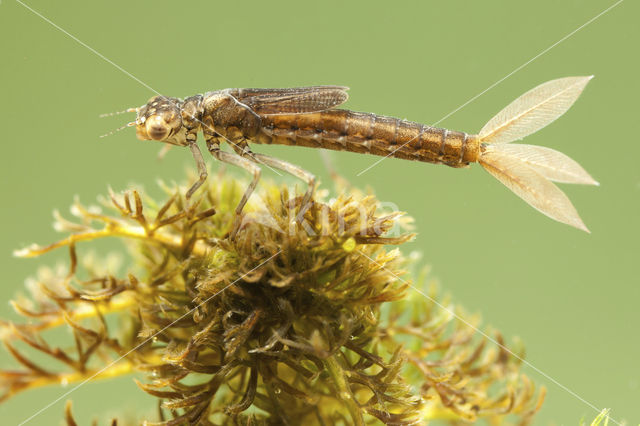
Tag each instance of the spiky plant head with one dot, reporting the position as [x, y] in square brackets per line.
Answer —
[263, 318]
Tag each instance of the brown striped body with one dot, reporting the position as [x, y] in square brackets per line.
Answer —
[344, 130]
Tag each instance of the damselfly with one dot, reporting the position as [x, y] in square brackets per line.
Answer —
[307, 116]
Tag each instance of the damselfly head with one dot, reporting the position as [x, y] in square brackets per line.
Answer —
[160, 120]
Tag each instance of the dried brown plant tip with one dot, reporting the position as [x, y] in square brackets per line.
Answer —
[288, 322]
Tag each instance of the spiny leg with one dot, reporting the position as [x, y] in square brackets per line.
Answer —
[240, 145]
[202, 168]
[236, 160]
[296, 171]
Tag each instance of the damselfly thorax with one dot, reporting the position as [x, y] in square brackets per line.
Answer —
[308, 116]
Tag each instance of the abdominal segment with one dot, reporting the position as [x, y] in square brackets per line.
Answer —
[344, 130]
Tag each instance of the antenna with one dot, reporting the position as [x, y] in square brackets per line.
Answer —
[111, 114]
[133, 123]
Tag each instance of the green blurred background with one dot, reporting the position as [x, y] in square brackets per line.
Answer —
[571, 297]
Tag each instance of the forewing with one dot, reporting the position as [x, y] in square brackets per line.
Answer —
[296, 100]
[550, 163]
[532, 187]
[533, 110]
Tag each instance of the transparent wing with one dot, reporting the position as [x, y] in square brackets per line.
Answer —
[533, 110]
[532, 187]
[550, 163]
[296, 100]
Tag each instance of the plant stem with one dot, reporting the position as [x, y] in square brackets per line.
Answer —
[131, 231]
[343, 390]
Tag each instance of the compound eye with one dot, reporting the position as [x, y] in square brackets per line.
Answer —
[157, 128]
